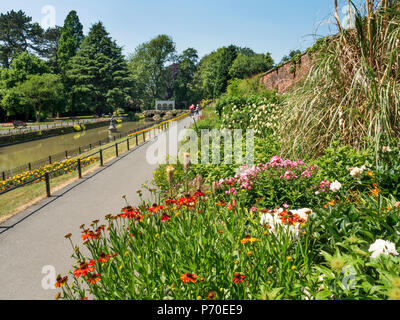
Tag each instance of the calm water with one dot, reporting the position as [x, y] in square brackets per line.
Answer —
[20, 154]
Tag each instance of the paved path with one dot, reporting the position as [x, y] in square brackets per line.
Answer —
[35, 238]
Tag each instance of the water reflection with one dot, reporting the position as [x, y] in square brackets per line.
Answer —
[20, 154]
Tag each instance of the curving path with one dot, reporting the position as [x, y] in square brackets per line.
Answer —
[35, 238]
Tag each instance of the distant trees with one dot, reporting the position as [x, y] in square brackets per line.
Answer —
[70, 40]
[183, 88]
[99, 73]
[291, 55]
[247, 65]
[41, 93]
[62, 71]
[148, 66]
[18, 34]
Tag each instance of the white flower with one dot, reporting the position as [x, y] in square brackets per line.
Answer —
[386, 149]
[335, 186]
[382, 247]
[356, 172]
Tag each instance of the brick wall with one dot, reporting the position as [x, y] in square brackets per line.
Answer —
[283, 78]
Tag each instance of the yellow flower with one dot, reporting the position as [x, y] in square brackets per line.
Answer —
[289, 258]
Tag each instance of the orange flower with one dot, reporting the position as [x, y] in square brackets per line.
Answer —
[103, 258]
[61, 281]
[155, 208]
[128, 212]
[211, 295]
[330, 203]
[375, 191]
[85, 268]
[238, 278]
[189, 277]
[248, 239]
[93, 278]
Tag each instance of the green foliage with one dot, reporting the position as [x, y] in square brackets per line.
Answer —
[99, 73]
[70, 40]
[183, 84]
[18, 34]
[245, 66]
[40, 92]
[148, 69]
[228, 56]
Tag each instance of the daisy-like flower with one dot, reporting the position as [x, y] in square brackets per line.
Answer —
[103, 258]
[85, 268]
[92, 279]
[248, 239]
[60, 281]
[382, 247]
[189, 277]
[238, 278]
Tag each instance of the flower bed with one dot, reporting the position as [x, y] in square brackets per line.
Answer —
[56, 169]
[214, 243]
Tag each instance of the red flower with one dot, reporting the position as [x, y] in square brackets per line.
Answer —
[232, 206]
[103, 258]
[61, 281]
[170, 201]
[189, 277]
[188, 201]
[198, 194]
[85, 268]
[129, 212]
[238, 278]
[93, 278]
[155, 208]
[165, 217]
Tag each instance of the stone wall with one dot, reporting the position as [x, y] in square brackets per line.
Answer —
[284, 77]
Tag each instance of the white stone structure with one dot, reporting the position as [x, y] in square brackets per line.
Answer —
[165, 105]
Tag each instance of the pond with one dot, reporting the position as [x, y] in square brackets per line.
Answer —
[20, 154]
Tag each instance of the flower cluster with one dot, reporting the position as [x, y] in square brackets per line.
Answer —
[246, 178]
[291, 220]
[56, 168]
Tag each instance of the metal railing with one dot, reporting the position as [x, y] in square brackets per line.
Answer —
[77, 164]
[4, 174]
[41, 127]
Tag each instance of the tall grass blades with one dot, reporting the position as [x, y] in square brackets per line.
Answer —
[351, 93]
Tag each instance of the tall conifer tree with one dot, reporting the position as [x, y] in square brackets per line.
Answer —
[99, 73]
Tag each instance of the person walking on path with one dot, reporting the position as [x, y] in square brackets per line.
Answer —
[191, 108]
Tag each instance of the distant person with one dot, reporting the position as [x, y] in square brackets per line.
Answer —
[197, 110]
[191, 108]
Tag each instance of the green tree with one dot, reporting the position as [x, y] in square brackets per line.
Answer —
[39, 93]
[226, 60]
[22, 66]
[148, 66]
[18, 34]
[245, 66]
[291, 55]
[50, 43]
[70, 40]
[187, 68]
[99, 73]
[206, 74]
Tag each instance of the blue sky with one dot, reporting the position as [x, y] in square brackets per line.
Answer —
[263, 25]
